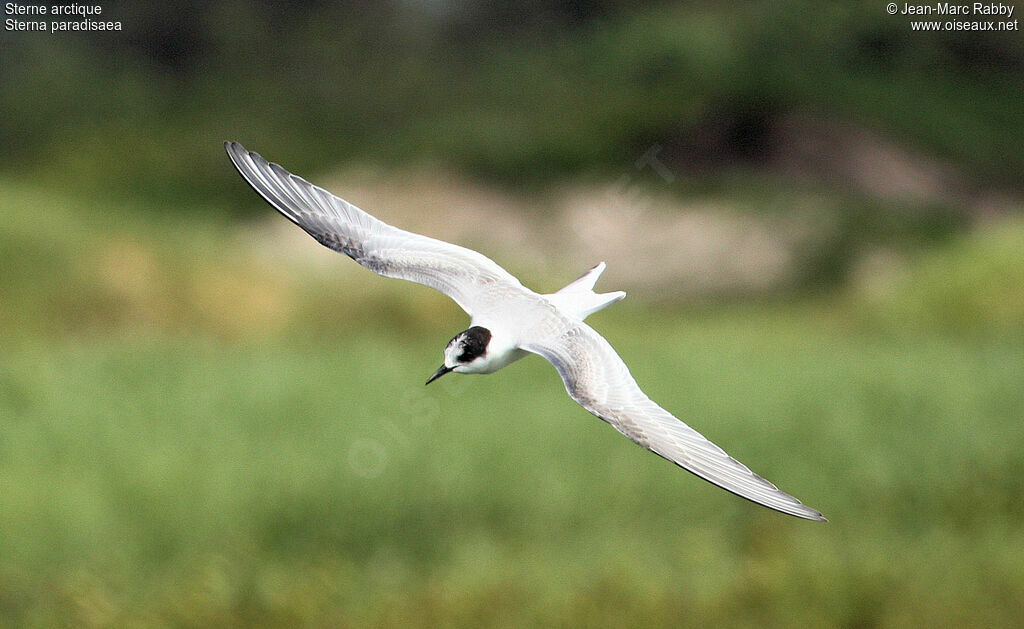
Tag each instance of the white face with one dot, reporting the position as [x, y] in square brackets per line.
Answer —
[452, 353]
[467, 349]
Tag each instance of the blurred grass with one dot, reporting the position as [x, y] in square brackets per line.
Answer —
[201, 427]
[174, 454]
[973, 286]
[176, 482]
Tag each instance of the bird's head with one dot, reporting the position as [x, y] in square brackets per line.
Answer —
[467, 350]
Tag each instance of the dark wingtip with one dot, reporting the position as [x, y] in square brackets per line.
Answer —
[234, 147]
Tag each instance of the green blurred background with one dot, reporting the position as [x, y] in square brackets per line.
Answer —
[207, 420]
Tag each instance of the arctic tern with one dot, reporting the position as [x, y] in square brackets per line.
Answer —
[510, 321]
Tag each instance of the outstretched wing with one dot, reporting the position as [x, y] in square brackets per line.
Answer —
[460, 273]
[598, 380]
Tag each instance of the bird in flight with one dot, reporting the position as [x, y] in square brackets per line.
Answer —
[510, 321]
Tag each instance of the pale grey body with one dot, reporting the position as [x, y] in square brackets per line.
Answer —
[519, 322]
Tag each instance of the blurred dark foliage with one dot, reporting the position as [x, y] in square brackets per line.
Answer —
[523, 92]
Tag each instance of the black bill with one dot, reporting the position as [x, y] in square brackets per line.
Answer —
[440, 372]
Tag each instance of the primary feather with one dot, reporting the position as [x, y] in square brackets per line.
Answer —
[455, 271]
[597, 379]
[550, 326]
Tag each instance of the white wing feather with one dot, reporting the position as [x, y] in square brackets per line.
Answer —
[460, 273]
[593, 374]
[598, 380]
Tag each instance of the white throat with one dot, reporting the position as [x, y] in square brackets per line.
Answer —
[501, 351]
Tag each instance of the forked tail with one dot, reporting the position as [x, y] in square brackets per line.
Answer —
[579, 300]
